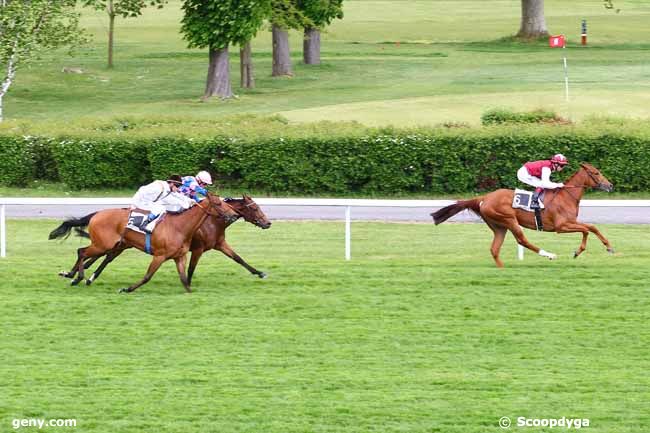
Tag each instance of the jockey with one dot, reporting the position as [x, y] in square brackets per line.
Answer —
[538, 175]
[159, 197]
[193, 185]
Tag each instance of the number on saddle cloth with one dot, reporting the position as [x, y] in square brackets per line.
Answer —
[136, 219]
[522, 200]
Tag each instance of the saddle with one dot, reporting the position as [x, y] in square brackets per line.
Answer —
[522, 200]
[137, 218]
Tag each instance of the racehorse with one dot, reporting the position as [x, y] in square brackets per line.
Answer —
[210, 235]
[559, 215]
[170, 240]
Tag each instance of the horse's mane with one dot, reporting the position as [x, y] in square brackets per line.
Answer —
[230, 199]
[584, 167]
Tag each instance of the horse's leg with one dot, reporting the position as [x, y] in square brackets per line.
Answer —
[73, 271]
[228, 251]
[499, 236]
[194, 260]
[82, 254]
[518, 232]
[180, 267]
[88, 263]
[569, 227]
[153, 267]
[592, 228]
[110, 256]
[91, 261]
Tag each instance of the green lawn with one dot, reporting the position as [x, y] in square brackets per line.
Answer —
[418, 333]
[449, 66]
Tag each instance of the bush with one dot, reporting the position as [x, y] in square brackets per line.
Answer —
[17, 164]
[341, 161]
[501, 115]
[101, 162]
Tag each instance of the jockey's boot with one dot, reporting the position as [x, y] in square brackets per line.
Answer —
[148, 224]
[534, 203]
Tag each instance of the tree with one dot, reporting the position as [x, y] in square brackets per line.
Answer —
[216, 24]
[31, 27]
[247, 79]
[285, 15]
[533, 24]
[321, 13]
[123, 8]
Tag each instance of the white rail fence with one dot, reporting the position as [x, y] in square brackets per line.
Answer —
[346, 204]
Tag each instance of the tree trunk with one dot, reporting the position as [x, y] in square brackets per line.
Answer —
[11, 74]
[218, 82]
[533, 24]
[311, 46]
[246, 67]
[281, 57]
[111, 31]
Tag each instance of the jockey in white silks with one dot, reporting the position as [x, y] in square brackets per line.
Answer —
[158, 197]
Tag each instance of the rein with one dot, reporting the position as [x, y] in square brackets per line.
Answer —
[567, 187]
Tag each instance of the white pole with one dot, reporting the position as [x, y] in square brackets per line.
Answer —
[3, 232]
[347, 233]
[566, 76]
[520, 252]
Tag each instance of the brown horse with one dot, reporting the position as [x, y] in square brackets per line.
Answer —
[559, 215]
[210, 235]
[171, 239]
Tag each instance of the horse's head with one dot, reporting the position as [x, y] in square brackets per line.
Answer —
[595, 178]
[250, 211]
[222, 208]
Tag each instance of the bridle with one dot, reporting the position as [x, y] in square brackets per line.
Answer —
[250, 205]
[207, 210]
[568, 187]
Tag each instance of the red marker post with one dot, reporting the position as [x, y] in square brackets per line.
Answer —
[559, 41]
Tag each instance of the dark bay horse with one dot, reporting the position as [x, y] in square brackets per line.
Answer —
[170, 240]
[210, 235]
[559, 215]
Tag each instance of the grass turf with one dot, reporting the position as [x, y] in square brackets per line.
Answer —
[451, 65]
[418, 333]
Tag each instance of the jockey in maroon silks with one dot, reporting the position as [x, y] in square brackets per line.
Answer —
[538, 174]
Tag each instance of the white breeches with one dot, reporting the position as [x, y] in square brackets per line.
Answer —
[525, 177]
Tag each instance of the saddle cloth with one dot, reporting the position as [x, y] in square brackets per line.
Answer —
[523, 198]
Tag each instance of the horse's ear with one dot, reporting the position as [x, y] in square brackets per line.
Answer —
[246, 196]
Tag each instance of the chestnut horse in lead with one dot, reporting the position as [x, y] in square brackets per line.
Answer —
[559, 215]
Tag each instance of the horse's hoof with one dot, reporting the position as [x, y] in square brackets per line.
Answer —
[123, 290]
[611, 250]
[262, 275]
[552, 256]
[575, 254]
[89, 282]
[64, 274]
[74, 282]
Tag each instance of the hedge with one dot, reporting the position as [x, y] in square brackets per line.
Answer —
[17, 160]
[382, 161]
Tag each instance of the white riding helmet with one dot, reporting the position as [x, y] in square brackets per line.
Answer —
[204, 177]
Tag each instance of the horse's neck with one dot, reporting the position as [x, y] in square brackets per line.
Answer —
[577, 182]
[237, 206]
[194, 217]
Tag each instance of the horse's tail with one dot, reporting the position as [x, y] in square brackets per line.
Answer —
[82, 233]
[442, 215]
[67, 225]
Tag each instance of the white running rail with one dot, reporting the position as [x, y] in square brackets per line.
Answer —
[347, 204]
